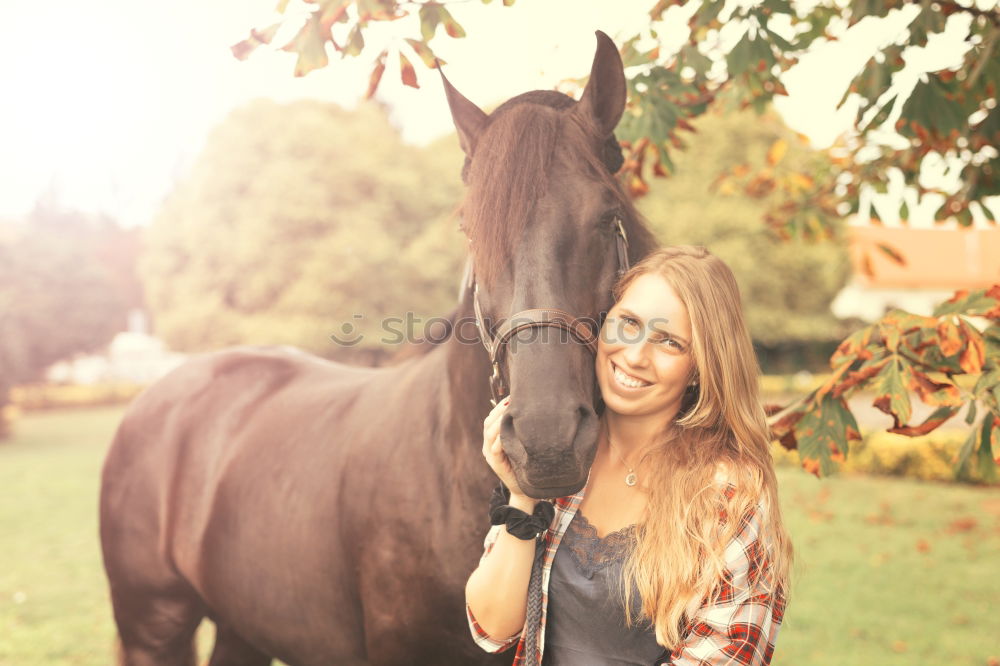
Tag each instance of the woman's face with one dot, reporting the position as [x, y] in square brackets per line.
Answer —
[644, 360]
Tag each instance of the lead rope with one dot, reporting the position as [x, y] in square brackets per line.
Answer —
[533, 611]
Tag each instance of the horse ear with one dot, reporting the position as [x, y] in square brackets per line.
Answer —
[469, 119]
[603, 99]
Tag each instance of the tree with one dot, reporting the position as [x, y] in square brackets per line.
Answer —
[301, 222]
[787, 285]
[950, 113]
[58, 296]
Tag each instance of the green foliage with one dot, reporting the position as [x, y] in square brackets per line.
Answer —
[787, 286]
[950, 111]
[933, 358]
[925, 458]
[65, 286]
[298, 220]
[31, 397]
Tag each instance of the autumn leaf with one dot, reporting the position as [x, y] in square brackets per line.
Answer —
[406, 72]
[425, 53]
[981, 302]
[812, 466]
[993, 293]
[889, 328]
[995, 438]
[949, 338]
[932, 392]
[376, 75]
[984, 456]
[851, 348]
[242, 50]
[895, 255]
[760, 185]
[451, 26]
[866, 266]
[777, 151]
[932, 422]
[965, 452]
[310, 45]
[784, 428]
[800, 181]
[891, 395]
[824, 431]
[859, 376]
[833, 381]
[430, 18]
[963, 524]
[637, 187]
[971, 360]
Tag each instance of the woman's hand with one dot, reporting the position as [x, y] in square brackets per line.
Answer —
[494, 454]
[497, 591]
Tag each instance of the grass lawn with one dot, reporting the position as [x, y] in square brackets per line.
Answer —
[888, 572]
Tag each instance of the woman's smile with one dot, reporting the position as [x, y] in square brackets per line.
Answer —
[627, 381]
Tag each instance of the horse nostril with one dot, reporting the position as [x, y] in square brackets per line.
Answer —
[507, 422]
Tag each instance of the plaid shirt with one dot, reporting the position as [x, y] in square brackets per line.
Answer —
[739, 626]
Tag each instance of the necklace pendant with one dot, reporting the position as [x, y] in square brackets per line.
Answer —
[630, 479]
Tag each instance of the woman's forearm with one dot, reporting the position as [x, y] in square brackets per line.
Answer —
[497, 591]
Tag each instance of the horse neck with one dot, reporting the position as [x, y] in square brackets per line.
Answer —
[465, 371]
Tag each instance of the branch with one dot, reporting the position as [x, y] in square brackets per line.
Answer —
[952, 7]
[704, 99]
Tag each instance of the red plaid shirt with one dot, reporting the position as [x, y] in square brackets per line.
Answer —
[739, 626]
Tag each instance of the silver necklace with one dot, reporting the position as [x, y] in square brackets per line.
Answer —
[630, 478]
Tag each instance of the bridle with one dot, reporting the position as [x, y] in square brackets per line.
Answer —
[496, 346]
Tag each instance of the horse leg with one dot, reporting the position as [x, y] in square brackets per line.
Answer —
[157, 628]
[231, 650]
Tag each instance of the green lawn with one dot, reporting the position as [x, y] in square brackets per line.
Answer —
[888, 571]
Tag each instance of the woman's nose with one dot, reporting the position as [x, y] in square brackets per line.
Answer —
[635, 353]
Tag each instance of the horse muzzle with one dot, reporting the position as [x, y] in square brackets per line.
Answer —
[550, 450]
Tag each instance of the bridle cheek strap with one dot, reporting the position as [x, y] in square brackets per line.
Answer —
[579, 329]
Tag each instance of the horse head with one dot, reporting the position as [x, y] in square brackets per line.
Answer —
[547, 224]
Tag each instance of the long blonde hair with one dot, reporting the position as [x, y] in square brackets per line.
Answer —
[679, 560]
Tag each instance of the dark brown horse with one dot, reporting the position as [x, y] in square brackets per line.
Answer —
[324, 514]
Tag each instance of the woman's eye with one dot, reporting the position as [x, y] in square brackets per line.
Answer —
[671, 343]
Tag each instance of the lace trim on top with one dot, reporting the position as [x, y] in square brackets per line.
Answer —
[590, 552]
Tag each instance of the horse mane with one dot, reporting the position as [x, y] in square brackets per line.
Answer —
[510, 168]
[510, 172]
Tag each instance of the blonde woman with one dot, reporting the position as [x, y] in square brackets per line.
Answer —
[674, 552]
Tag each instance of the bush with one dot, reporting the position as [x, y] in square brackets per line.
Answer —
[8, 414]
[50, 396]
[928, 458]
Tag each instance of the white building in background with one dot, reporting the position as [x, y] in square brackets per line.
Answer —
[938, 261]
[132, 357]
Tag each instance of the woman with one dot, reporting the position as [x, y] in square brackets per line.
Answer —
[674, 552]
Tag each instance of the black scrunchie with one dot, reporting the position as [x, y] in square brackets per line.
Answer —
[519, 524]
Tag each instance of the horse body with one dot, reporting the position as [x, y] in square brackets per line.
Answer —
[212, 500]
[325, 514]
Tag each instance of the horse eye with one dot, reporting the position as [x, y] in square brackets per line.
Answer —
[609, 220]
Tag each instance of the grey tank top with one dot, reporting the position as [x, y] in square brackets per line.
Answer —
[585, 620]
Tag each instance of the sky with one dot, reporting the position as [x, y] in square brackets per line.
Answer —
[108, 102]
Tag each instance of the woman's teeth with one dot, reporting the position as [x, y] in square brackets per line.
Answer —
[627, 380]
